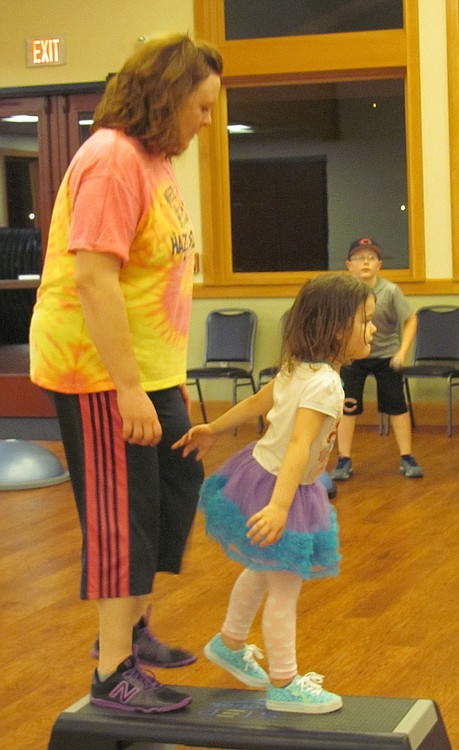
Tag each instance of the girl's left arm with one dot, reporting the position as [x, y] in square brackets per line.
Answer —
[267, 526]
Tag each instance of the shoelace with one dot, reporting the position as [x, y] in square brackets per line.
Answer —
[311, 682]
[148, 681]
[249, 655]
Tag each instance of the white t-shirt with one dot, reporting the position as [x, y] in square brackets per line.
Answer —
[313, 386]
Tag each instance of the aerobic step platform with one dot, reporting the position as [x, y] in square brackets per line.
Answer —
[222, 718]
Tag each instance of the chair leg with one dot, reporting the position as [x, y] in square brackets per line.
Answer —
[255, 389]
[409, 402]
[201, 401]
[236, 384]
[449, 424]
[384, 423]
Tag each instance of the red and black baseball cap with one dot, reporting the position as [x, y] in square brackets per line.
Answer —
[364, 243]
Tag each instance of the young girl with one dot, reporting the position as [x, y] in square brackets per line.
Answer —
[265, 505]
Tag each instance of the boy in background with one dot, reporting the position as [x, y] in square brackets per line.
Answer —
[396, 328]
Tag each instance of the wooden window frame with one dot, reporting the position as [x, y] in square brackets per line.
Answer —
[452, 25]
[392, 53]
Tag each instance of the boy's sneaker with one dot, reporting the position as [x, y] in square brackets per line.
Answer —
[410, 467]
[149, 651]
[303, 695]
[240, 663]
[130, 689]
[329, 485]
[343, 469]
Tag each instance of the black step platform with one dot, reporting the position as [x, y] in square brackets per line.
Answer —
[222, 718]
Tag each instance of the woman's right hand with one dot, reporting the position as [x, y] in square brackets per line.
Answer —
[141, 425]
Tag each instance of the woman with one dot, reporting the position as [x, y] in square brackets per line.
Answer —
[108, 340]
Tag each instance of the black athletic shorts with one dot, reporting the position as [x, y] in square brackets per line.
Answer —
[389, 386]
[136, 503]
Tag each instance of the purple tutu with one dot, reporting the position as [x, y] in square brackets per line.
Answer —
[240, 488]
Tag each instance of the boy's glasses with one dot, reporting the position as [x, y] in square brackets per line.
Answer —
[362, 258]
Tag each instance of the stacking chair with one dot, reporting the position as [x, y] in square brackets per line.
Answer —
[268, 373]
[436, 353]
[229, 351]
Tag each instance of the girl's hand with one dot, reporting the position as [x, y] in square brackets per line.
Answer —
[267, 526]
[199, 438]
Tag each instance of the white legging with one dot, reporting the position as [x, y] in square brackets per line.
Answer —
[281, 589]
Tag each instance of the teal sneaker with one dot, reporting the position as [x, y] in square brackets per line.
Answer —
[240, 663]
[303, 695]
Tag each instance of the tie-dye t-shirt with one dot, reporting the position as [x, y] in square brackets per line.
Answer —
[116, 198]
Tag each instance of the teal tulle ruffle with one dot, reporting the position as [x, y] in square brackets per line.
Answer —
[309, 555]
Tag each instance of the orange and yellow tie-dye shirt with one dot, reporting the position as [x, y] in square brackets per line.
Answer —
[116, 198]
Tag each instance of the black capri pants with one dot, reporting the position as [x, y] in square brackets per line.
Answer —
[136, 504]
[389, 386]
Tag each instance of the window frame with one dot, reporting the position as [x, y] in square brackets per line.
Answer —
[452, 35]
[393, 53]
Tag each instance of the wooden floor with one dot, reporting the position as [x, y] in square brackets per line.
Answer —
[387, 626]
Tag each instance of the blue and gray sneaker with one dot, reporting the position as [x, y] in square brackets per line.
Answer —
[329, 485]
[410, 467]
[343, 469]
[240, 663]
[303, 695]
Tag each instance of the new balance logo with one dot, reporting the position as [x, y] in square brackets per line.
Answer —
[124, 692]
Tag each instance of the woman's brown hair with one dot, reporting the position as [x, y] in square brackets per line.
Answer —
[143, 99]
[321, 320]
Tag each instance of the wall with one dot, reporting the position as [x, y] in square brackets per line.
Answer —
[100, 35]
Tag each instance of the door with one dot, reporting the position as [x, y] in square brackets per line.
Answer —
[38, 137]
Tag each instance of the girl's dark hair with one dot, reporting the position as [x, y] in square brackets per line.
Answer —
[321, 320]
[143, 99]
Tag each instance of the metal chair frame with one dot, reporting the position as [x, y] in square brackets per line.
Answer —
[436, 353]
[229, 351]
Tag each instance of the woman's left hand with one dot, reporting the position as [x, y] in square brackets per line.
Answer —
[267, 526]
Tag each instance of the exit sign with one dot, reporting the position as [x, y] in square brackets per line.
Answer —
[47, 51]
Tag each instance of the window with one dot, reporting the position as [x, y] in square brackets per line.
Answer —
[313, 167]
[349, 101]
[265, 18]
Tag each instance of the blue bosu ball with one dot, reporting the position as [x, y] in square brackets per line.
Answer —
[25, 465]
